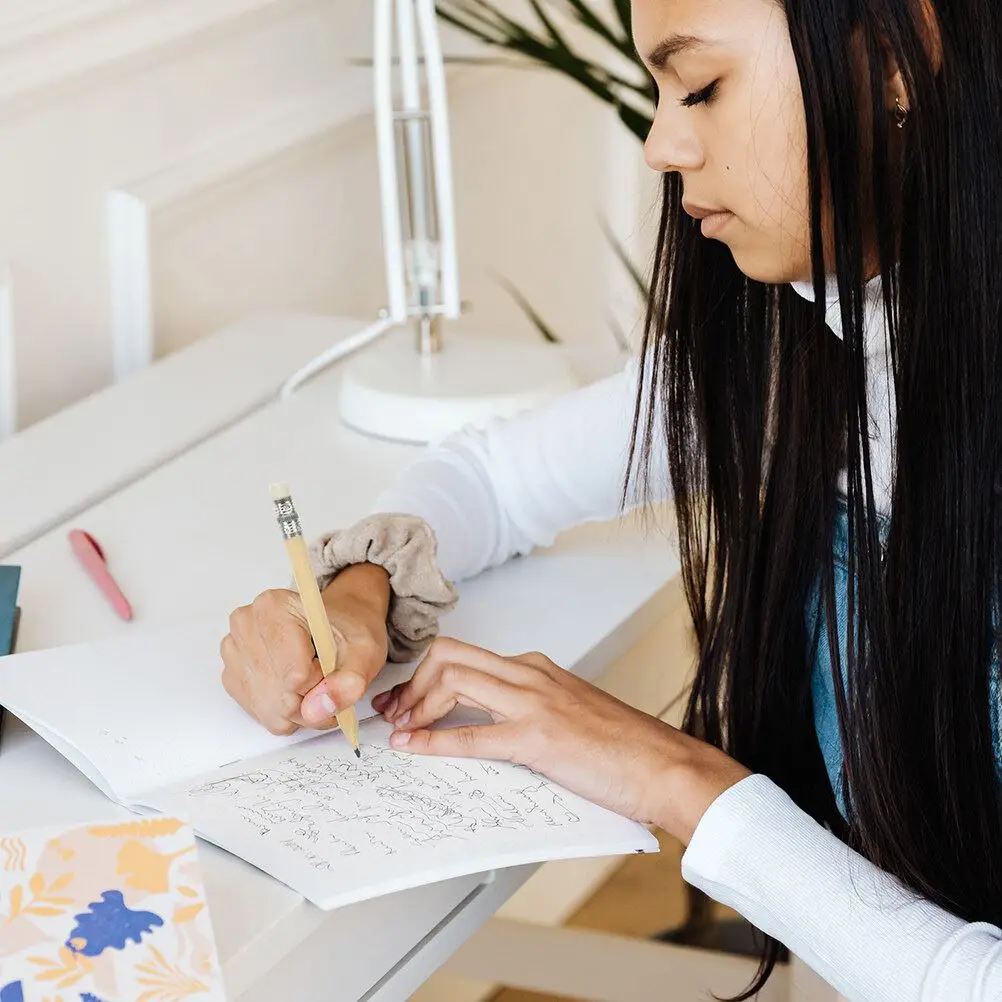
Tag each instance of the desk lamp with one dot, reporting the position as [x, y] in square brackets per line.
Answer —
[417, 384]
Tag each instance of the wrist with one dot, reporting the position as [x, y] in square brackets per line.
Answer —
[689, 781]
[385, 565]
[365, 587]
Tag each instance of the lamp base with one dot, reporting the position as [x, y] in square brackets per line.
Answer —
[396, 393]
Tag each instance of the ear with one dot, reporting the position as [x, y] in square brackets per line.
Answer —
[895, 92]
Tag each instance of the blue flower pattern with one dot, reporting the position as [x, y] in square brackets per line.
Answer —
[109, 924]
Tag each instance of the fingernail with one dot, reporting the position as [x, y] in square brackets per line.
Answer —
[399, 738]
[402, 722]
[392, 708]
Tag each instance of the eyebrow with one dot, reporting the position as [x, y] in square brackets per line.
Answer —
[673, 45]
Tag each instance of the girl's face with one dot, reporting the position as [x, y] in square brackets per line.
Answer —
[730, 120]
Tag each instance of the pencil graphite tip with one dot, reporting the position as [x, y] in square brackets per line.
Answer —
[358, 753]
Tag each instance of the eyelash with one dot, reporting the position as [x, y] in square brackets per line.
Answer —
[704, 96]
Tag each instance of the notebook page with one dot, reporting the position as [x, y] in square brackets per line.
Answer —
[340, 830]
[147, 709]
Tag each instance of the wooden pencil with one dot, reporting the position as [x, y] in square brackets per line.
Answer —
[313, 604]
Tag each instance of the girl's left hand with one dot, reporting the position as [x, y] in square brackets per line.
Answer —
[550, 720]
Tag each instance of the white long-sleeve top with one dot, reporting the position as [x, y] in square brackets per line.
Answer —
[492, 494]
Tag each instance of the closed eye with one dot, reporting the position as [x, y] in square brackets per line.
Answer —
[703, 96]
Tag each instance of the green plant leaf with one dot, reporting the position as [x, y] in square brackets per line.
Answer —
[624, 12]
[485, 16]
[474, 12]
[618, 334]
[632, 100]
[483, 21]
[547, 23]
[537, 321]
[624, 258]
[637, 122]
[587, 17]
[615, 80]
[507, 63]
[480, 20]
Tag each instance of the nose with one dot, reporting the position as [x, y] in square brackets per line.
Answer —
[671, 144]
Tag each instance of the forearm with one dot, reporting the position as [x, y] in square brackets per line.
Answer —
[474, 501]
[493, 493]
[874, 941]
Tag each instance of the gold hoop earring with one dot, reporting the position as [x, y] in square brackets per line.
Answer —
[900, 113]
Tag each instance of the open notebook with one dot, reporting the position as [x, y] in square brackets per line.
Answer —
[145, 717]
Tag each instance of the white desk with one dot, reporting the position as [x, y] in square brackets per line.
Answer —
[80, 455]
[196, 537]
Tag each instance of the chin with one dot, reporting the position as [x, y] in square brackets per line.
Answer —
[763, 268]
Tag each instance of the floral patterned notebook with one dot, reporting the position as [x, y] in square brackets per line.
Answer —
[105, 913]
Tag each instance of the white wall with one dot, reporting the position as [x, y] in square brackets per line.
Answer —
[242, 125]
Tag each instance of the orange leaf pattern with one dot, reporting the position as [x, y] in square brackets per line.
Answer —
[188, 913]
[66, 971]
[14, 852]
[166, 982]
[145, 868]
[44, 901]
[150, 828]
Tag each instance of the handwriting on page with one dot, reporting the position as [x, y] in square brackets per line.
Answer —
[323, 807]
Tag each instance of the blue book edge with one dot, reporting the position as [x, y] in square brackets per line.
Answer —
[10, 580]
[10, 614]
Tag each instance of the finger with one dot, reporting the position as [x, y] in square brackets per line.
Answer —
[271, 714]
[453, 652]
[318, 708]
[459, 685]
[362, 653]
[283, 648]
[491, 741]
[235, 674]
[388, 700]
[360, 660]
[345, 687]
[250, 674]
[275, 638]
[330, 695]
[284, 641]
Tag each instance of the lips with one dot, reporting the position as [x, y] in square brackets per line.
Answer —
[700, 211]
[712, 220]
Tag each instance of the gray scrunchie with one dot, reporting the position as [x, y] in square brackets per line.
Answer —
[406, 548]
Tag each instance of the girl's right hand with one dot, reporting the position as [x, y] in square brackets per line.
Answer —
[269, 663]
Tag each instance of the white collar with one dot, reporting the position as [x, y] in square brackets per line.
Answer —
[873, 308]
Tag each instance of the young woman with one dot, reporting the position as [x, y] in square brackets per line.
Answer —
[820, 390]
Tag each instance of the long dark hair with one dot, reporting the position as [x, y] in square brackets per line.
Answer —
[762, 406]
